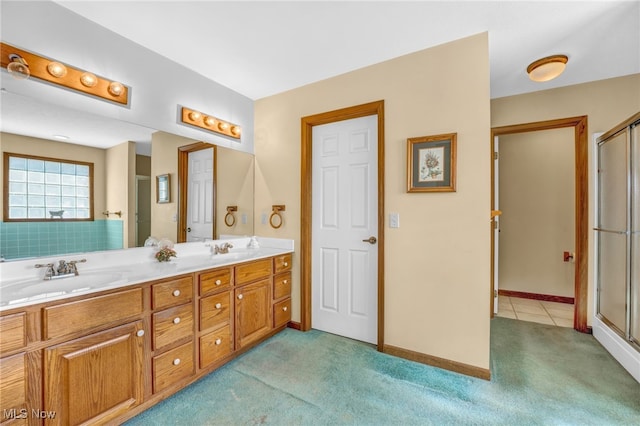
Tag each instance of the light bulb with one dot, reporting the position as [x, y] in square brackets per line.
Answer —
[223, 126]
[18, 67]
[235, 130]
[116, 88]
[209, 121]
[195, 115]
[56, 69]
[88, 80]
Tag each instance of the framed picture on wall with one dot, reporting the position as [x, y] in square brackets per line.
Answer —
[163, 189]
[431, 163]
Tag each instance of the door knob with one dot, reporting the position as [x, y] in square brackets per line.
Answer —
[188, 229]
[370, 240]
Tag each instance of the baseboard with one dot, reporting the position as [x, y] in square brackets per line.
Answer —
[434, 361]
[294, 325]
[536, 296]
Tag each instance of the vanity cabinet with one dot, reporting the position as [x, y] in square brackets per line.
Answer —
[19, 386]
[173, 331]
[95, 378]
[281, 290]
[253, 301]
[104, 357]
[216, 315]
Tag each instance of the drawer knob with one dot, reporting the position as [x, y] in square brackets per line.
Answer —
[284, 308]
[218, 305]
[176, 293]
[285, 281]
[140, 333]
[218, 341]
[218, 282]
[240, 296]
[176, 320]
[286, 264]
[176, 361]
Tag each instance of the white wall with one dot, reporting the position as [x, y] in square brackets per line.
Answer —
[157, 85]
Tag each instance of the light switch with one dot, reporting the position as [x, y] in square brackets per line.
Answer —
[394, 220]
[263, 219]
[244, 218]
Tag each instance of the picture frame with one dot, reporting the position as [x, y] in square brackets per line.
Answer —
[163, 189]
[431, 163]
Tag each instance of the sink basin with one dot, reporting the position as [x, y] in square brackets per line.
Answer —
[36, 289]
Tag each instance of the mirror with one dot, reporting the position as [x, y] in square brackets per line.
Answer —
[163, 188]
[123, 173]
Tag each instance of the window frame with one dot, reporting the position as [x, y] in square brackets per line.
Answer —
[5, 185]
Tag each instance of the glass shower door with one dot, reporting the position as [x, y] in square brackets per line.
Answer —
[612, 231]
[635, 233]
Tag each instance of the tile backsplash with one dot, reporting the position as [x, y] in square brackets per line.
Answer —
[34, 239]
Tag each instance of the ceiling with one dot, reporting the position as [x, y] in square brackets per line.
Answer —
[262, 48]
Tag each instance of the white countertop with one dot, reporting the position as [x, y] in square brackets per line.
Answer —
[21, 284]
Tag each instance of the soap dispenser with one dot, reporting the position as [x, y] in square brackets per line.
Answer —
[253, 243]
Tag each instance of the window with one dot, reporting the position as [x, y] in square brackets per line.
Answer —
[40, 189]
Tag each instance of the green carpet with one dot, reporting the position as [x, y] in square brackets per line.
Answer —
[541, 375]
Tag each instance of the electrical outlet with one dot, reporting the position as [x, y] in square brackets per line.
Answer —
[263, 219]
[244, 218]
[394, 220]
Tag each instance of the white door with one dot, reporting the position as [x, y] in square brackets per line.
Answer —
[496, 229]
[345, 216]
[200, 195]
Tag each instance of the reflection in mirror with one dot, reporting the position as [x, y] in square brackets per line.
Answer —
[124, 162]
[163, 188]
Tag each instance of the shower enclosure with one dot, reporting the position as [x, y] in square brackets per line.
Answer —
[617, 232]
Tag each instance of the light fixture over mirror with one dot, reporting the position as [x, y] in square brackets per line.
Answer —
[21, 64]
[210, 123]
[548, 68]
[18, 67]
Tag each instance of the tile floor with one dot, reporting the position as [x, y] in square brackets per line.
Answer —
[553, 313]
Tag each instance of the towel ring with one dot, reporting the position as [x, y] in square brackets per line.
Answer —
[276, 213]
[229, 218]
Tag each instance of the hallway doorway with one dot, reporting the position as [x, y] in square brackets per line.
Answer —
[577, 274]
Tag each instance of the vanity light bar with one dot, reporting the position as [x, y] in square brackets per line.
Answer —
[64, 75]
[210, 123]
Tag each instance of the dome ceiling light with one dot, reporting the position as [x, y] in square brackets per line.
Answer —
[548, 68]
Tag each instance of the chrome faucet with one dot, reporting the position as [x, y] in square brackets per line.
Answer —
[223, 248]
[65, 269]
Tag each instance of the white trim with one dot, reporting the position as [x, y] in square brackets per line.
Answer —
[622, 351]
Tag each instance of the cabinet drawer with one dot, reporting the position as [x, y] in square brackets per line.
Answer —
[253, 271]
[215, 346]
[13, 382]
[172, 293]
[215, 310]
[172, 366]
[281, 313]
[13, 332]
[282, 263]
[282, 286]
[171, 325]
[213, 281]
[84, 315]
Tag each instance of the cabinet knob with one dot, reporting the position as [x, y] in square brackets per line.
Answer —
[240, 296]
[176, 293]
[286, 264]
[176, 361]
[218, 341]
[140, 333]
[218, 305]
[285, 281]
[284, 308]
[176, 320]
[218, 282]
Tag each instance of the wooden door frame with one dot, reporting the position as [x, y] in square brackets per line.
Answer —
[183, 185]
[581, 256]
[373, 108]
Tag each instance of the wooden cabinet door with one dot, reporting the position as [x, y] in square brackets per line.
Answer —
[253, 312]
[95, 378]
